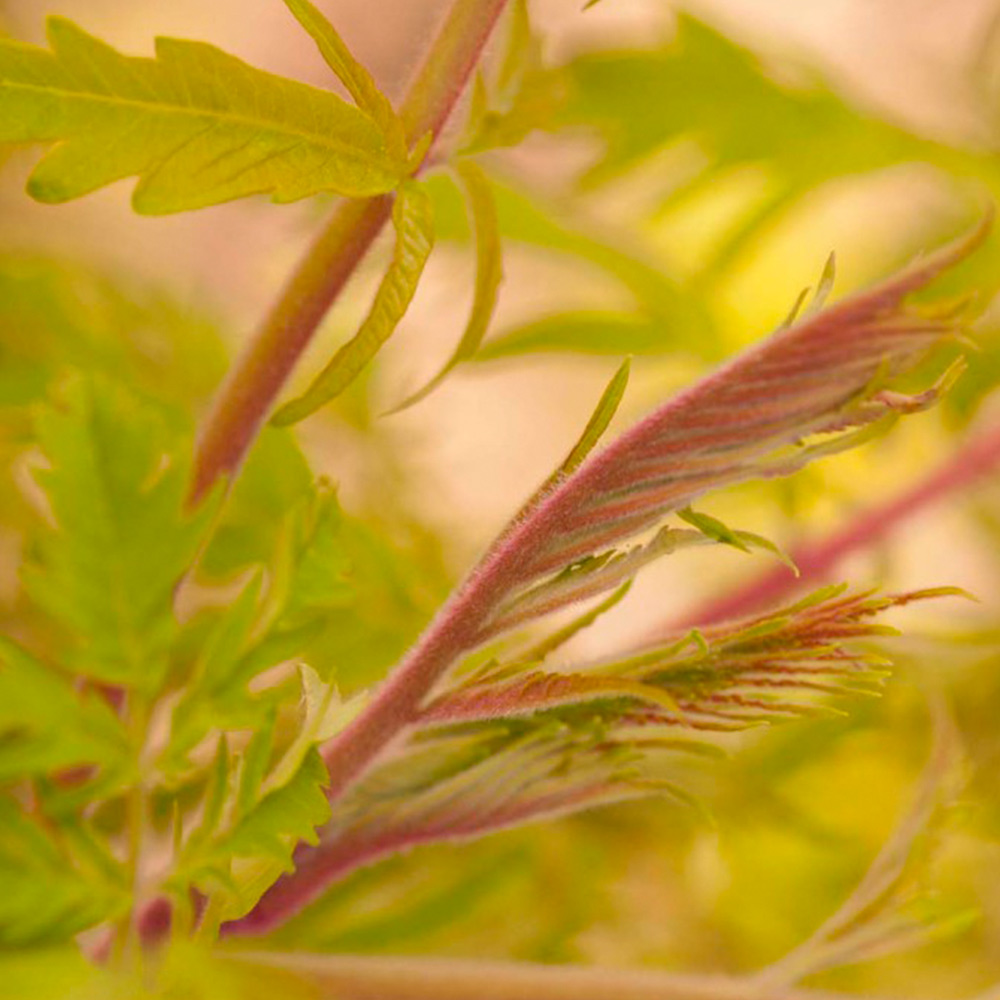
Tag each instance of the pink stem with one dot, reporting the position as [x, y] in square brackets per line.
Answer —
[258, 376]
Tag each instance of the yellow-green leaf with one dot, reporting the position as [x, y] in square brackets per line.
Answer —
[413, 219]
[351, 73]
[489, 273]
[196, 125]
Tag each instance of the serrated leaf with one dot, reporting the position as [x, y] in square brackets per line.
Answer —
[489, 273]
[320, 577]
[45, 899]
[253, 765]
[413, 220]
[352, 74]
[46, 725]
[108, 572]
[196, 125]
[216, 692]
[284, 817]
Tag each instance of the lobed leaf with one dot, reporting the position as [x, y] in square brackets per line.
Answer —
[121, 543]
[197, 126]
[46, 725]
[46, 898]
[352, 75]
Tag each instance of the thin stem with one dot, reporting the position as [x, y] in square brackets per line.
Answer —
[818, 560]
[257, 378]
[355, 977]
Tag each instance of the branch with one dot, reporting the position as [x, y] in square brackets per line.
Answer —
[814, 378]
[355, 977]
[800, 394]
[258, 376]
[818, 560]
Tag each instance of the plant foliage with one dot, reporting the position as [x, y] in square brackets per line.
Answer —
[223, 709]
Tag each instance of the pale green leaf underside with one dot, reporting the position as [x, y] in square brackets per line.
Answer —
[196, 125]
[413, 219]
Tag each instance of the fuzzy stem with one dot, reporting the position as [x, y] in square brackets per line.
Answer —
[585, 512]
[356, 977]
[818, 560]
[256, 379]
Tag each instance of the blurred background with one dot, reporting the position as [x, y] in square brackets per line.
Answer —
[685, 171]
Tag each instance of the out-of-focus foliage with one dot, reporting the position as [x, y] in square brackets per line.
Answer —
[236, 673]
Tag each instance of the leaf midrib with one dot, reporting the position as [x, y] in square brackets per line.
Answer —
[269, 125]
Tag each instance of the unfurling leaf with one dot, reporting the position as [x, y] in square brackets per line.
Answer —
[489, 274]
[414, 223]
[726, 677]
[804, 392]
[807, 391]
[197, 126]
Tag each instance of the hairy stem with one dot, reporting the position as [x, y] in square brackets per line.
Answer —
[629, 486]
[352, 977]
[818, 560]
[257, 378]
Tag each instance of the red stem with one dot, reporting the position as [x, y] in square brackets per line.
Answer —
[818, 560]
[257, 378]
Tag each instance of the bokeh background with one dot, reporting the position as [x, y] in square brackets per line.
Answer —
[748, 140]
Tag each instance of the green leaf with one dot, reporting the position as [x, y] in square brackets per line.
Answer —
[216, 796]
[585, 332]
[352, 74]
[108, 572]
[523, 94]
[253, 766]
[45, 897]
[489, 273]
[745, 541]
[607, 407]
[558, 226]
[413, 219]
[196, 125]
[216, 694]
[326, 713]
[46, 725]
[282, 819]
[320, 577]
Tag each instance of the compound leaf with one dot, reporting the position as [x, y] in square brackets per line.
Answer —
[108, 572]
